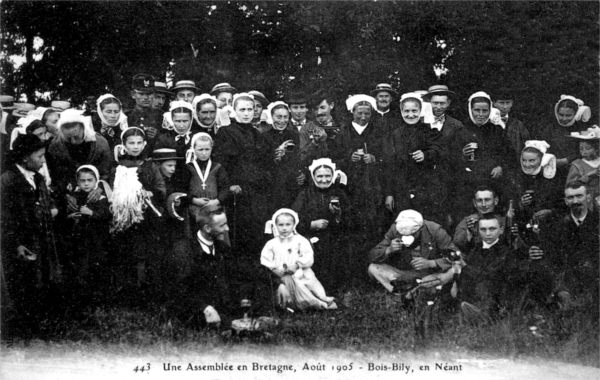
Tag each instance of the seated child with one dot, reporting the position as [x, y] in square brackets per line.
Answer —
[289, 256]
[88, 235]
[587, 168]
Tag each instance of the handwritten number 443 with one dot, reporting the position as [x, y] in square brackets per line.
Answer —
[144, 368]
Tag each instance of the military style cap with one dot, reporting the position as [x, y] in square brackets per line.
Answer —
[143, 83]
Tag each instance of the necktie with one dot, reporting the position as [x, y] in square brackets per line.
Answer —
[504, 118]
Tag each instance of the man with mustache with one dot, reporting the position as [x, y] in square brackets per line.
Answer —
[143, 115]
[385, 115]
[565, 259]
[317, 136]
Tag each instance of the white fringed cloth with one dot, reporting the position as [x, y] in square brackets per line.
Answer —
[128, 201]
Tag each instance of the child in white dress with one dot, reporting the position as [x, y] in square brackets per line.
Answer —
[289, 256]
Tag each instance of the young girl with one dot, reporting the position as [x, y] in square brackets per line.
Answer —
[138, 197]
[209, 183]
[110, 121]
[587, 168]
[88, 236]
[289, 256]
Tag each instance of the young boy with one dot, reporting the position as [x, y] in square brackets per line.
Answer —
[515, 130]
[224, 94]
[297, 103]
[166, 159]
[483, 280]
[185, 90]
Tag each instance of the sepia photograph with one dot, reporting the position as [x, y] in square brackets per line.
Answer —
[299, 189]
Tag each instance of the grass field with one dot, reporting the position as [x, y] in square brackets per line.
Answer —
[374, 328]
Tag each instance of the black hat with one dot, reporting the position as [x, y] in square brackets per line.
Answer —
[8, 102]
[185, 85]
[165, 154]
[222, 87]
[35, 124]
[161, 87]
[503, 93]
[317, 97]
[438, 89]
[143, 83]
[24, 145]
[260, 97]
[295, 98]
[383, 87]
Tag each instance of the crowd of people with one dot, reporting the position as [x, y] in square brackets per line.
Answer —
[210, 203]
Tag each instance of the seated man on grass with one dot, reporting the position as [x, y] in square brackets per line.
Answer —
[563, 259]
[412, 249]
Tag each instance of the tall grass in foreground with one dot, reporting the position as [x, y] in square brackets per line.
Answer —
[373, 325]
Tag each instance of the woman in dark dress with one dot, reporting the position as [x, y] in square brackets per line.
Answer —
[248, 158]
[358, 150]
[571, 116]
[287, 171]
[486, 150]
[324, 212]
[412, 181]
[205, 114]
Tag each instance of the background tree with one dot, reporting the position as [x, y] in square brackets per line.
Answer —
[540, 50]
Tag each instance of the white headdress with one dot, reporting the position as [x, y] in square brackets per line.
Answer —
[583, 112]
[197, 101]
[271, 225]
[495, 114]
[327, 163]
[122, 121]
[270, 107]
[548, 160]
[352, 101]
[72, 115]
